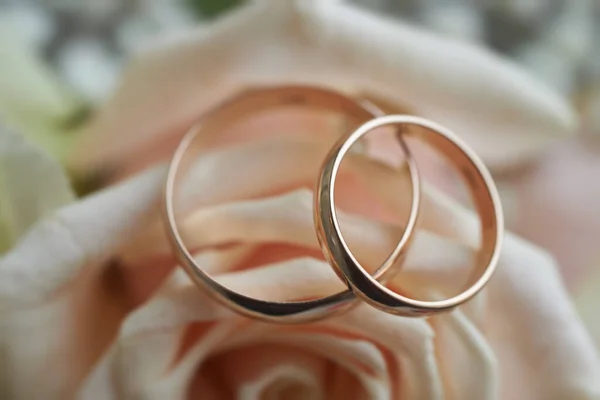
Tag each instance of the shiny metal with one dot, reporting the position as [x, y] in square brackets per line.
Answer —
[245, 104]
[482, 189]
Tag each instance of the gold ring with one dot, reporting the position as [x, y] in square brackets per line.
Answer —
[242, 105]
[482, 189]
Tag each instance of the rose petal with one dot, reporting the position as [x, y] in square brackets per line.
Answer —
[27, 333]
[159, 325]
[54, 283]
[567, 226]
[288, 219]
[460, 343]
[439, 214]
[287, 373]
[271, 166]
[86, 232]
[411, 341]
[357, 360]
[543, 348]
[502, 112]
[277, 125]
[246, 170]
[320, 280]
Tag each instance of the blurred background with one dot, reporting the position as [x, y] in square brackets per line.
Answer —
[81, 47]
[86, 43]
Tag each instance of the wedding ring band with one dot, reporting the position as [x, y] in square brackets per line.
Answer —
[483, 190]
[245, 104]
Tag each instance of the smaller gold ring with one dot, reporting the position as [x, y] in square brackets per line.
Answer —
[483, 190]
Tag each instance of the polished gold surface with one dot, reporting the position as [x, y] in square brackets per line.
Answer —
[238, 107]
[482, 188]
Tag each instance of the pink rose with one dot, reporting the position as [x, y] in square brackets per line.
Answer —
[93, 306]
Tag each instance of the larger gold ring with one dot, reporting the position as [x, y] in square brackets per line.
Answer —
[245, 104]
[482, 189]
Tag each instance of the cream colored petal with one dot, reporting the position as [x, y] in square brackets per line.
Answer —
[55, 312]
[288, 380]
[431, 256]
[254, 168]
[408, 340]
[320, 280]
[411, 342]
[504, 113]
[36, 344]
[569, 225]
[159, 326]
[223, 261]
[365, 365]
[391, 357]
[543, 348]
[269, 166]
[268, 371]
[288, 219]
[149, 340]
[89, 231]
[467, 361]
[201, 81]
[32, 185]
[525, 279]
[500, 110]
[440, 214]
[525, 304]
